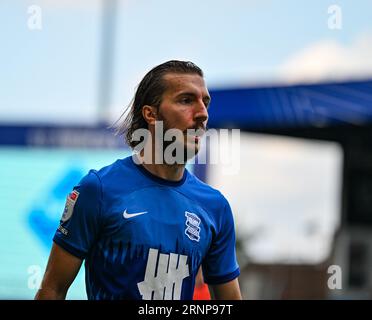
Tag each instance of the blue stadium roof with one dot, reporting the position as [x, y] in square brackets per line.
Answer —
[299, 106]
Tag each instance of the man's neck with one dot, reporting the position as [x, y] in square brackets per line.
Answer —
[165, 171]
[171, 172]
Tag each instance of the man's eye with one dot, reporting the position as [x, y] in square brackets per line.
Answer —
[186, 100]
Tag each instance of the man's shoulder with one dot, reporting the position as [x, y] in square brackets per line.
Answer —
[110, 169]
[117, 173]
[120, 167]
[205, 192]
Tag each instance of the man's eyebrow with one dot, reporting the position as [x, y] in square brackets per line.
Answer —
[185, 93]
[192, 94]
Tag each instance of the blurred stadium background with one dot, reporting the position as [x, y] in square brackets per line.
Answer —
[296, 79]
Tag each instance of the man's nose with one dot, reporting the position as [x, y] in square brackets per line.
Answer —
[201, 112]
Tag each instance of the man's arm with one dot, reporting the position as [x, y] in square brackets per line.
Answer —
[226, 291]
[61, 271]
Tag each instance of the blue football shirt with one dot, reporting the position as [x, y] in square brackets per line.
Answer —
[143, 237]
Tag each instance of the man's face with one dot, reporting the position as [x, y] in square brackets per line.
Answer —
[184, 106]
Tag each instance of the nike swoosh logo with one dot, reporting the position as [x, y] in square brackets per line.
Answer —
[127, 215]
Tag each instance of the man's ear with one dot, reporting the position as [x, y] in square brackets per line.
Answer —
[150, 114]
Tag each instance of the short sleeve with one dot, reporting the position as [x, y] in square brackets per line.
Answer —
[80, 223]
[220, 265]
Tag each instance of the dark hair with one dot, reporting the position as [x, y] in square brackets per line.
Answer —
[150, 92]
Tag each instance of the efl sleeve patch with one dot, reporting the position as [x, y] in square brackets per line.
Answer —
[69, 206]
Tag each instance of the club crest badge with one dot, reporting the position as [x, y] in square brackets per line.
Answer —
[192, 226]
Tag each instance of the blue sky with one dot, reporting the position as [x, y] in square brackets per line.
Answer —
[51, 75]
